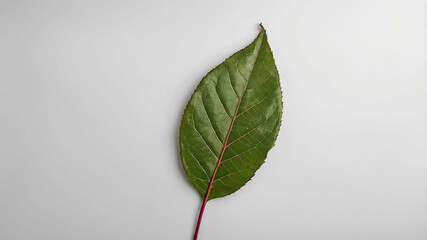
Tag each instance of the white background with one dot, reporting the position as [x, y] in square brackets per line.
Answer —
[92, 93]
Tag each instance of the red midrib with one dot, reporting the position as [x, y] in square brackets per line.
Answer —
[223, 148]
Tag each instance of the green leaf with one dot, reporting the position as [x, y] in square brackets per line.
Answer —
[232, 121]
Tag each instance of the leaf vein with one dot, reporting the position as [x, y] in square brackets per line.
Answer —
[233, 173]
[199, 164]
[261, 141]
[210, 122]
[231, 84]
[255, 103]
[203, 139]
[248, 132]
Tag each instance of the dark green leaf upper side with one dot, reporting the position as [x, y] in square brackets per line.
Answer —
[244, 88]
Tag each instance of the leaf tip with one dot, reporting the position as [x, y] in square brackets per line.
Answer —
[262, 27]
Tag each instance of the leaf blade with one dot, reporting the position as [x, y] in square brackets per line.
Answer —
[237, 108]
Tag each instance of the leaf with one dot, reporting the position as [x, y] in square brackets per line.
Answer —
[231, 121]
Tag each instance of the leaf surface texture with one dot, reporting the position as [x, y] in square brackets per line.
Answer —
[232, 120]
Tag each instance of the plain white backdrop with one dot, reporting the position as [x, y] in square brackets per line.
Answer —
[92, 93]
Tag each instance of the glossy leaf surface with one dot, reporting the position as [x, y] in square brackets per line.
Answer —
[232, 121]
